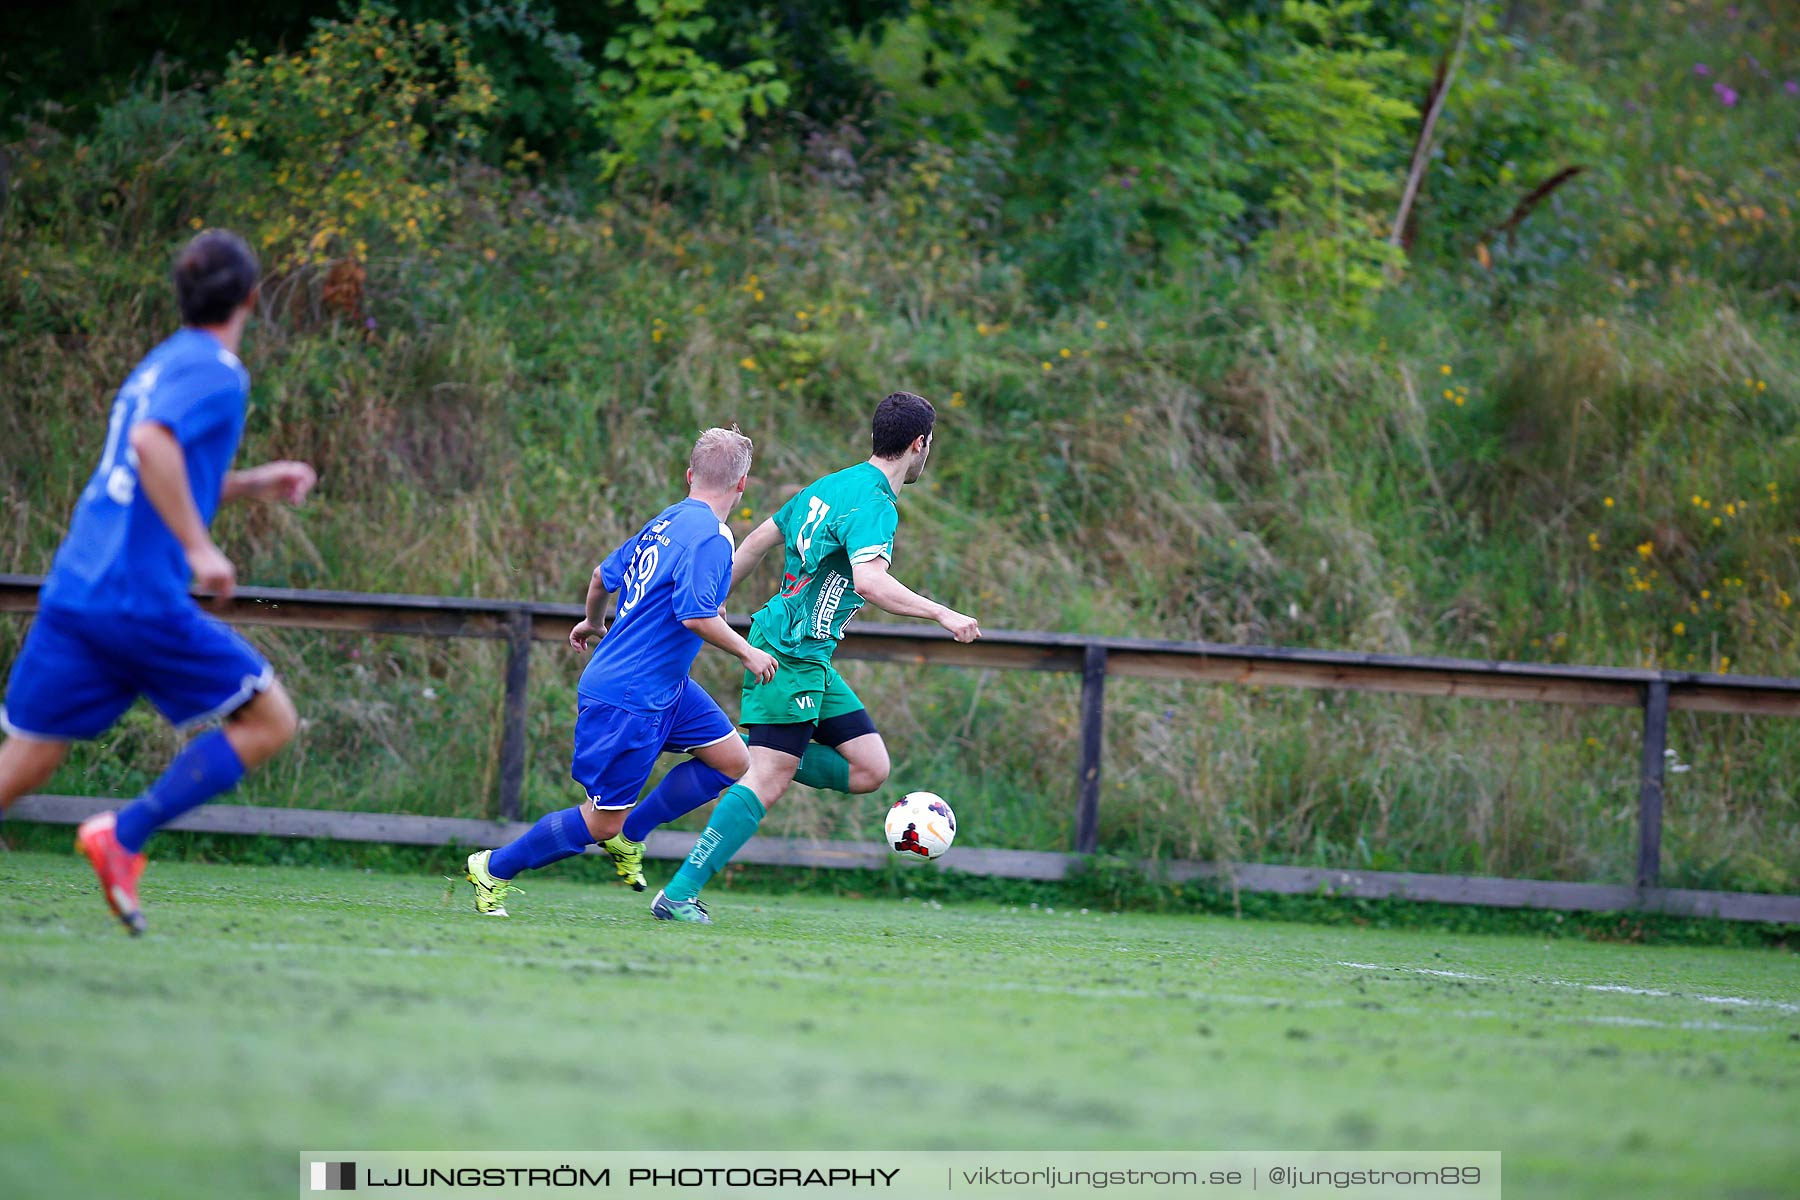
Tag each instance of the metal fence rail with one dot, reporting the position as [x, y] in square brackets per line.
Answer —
[518, 623]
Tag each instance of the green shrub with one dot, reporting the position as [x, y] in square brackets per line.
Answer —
[345, 148]
[659, 90]
[1332, 122]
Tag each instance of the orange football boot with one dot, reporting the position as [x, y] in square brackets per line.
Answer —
[117, 867]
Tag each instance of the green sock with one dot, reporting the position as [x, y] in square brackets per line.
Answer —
[823, 767]
[734, 819]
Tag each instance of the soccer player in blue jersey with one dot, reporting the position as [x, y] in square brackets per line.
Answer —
[115, 620]
[635, 700]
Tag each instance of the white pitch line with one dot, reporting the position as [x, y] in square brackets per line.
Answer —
[1617, 988]
[1744, 1001]
[1647, 1023]
[1411, 970]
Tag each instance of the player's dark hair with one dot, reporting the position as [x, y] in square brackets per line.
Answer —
[899, 418]
[214, 274]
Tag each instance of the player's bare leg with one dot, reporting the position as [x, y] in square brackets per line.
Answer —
[728, 755]
[770, 772]
[259, 730]
[869, 763]
[26, 764]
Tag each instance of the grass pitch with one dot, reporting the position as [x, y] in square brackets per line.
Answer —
[276, 1009]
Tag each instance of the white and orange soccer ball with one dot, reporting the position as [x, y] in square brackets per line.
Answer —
[920, 823]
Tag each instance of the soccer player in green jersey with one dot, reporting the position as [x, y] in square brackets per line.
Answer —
[804, 722]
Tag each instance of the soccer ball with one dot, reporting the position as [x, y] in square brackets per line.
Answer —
[921, 823]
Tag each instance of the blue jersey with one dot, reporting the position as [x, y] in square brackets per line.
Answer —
[676, 569]
[119, 557]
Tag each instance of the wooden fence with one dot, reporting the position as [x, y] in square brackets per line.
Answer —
[1655, 693]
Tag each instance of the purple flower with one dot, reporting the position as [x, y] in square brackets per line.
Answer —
[1792, 87]
[368, 322]
[1727, 96]
[1702, 69]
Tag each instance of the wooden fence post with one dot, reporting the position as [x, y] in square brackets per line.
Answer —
[1650, 783]
[512, 733]
[1093, 717]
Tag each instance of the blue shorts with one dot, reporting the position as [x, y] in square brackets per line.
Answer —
[78, 672]
[616, 749]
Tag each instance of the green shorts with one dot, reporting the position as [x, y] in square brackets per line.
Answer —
[803, 692]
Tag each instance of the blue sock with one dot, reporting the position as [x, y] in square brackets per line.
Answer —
[686, 787]
[206, 767]
[556, 836]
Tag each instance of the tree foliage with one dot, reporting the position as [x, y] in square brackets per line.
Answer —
[348, 145]
[1333, 130]
[658, 89]
[1127, 129]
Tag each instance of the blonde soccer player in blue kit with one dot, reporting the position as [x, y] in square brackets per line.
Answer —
[635, 700]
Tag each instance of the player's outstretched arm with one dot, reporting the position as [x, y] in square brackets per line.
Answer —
[593, 625]
[285, 480]
[874, 584]
[750, 551]
[163, 474]
[715, 632]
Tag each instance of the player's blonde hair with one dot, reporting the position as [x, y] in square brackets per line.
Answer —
[721, 457]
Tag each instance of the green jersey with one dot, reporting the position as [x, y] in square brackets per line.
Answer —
[837, 522]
